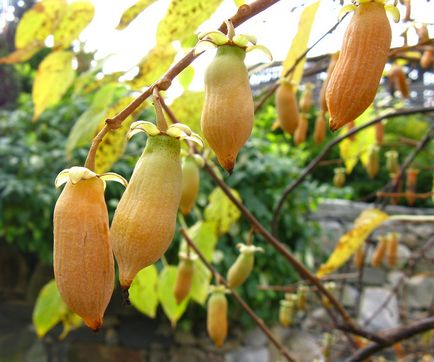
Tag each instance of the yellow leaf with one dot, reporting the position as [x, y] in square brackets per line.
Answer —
[183, 17]
[39, 22]
[153, 65]
[76, 17]
[70, 322]
[221, 210]
[300, 42]
[21, 55]
[352, 150]
[364, 225]
[52, 80]
[113, 144]
[132, 12]
[188, 108]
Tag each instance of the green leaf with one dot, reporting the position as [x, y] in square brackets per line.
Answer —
[132, 12]
[188, 108]
[221, 210]
[76, 17]
[183, 17]
[49, 309]
[52, 80]
[166, 283]
[143, 291]
[186, 77]
[39, 22]
[300, 42]
[154, 65]
[70, 322]
[84, 129]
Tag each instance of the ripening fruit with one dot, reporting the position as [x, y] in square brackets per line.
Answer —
[228, 111]
[184, 279]
[320, 128]
[379, 133]
[243, 266]
[286, 312]
[331, 288]
[286, 107]
[399, 81]
[359, 257]
[392, 248]
[82, 255]
[411, 181]
[373, 164]
[392, 164]
[306, 98]
[217, 316]
[379, 252]
[190, 184]
[144, 221]
[322, 98]
[302, 297]
[426, 60]
[301, 130]
[339, 178]
[356, 76]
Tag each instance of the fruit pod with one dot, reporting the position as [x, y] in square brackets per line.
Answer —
[243, 266]
[184, 279]
[302, 297]
[392, 248]
[357, 74]
[144, 222]
[331, 288]
[228, 111]
[359, 257]
[426, 60]
[217, 316]
[379, 252]
[320, 129]
[327, 345]
[399, 80]
[373, 164]
[286, 312]
[301, 131]
[392, 161]
[322, 98]
[82, 255]
[411, 182]
[306, 98]
[190, 184]
[286, 107]
[394, 178]
[379, 133]
[339, 178]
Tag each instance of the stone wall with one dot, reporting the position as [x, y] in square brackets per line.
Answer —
[129, 336]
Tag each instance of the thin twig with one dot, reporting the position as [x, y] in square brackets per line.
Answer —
[280, 347]
[311, 166]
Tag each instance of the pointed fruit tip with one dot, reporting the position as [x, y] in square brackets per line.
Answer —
[93, 324]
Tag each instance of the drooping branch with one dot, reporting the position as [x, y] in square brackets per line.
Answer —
[392, 338]
[260, 323]
[311, 166]
[244, 13]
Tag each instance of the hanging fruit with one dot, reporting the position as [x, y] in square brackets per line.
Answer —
[320, 128]
[331, 288]
[379, 252]
[184, 277]
[411, 182]
[306, 98]
[287, 312]
[228, 111]
[356, 76]
[302, 297]
[144, 222]
[286, 107]
[217, 315]
[190, 182]
[373, 163]
[359, 257]
[379, 133]
[300, 133]
[392, 164]
[392, 248]
[339, 178]
[243, 266]
[82, 255]
[398, 80]
[322, 98]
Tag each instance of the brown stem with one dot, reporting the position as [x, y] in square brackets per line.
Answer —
[157, 100]
[398, 195]
[244, 13]
[392, 338]
[280, 347]
[311, 166]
